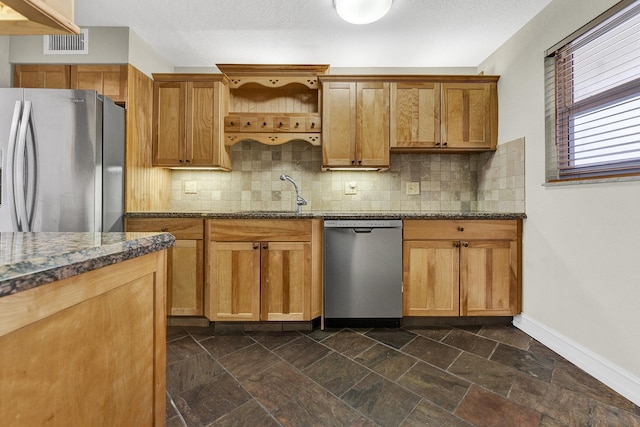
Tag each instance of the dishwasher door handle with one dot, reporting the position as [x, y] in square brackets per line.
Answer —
[363, 230]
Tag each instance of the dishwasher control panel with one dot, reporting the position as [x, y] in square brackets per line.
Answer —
[362, 223]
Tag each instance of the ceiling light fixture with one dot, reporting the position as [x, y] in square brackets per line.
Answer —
[362, 11]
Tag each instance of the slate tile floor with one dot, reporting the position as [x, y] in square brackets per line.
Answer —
[433, 376]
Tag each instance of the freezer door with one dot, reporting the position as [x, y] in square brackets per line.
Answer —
[113, 134]
[69, 163]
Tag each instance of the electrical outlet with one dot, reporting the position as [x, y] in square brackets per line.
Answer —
[190, 187]
[413, 188]
[350, 187]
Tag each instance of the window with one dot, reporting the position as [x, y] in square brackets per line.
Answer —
[595, 77]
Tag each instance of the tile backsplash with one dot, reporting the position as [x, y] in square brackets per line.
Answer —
[491, 182]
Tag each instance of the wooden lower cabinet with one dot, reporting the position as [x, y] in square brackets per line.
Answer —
[462, 268]
[88, 350]
[185, 271]
[264, 270]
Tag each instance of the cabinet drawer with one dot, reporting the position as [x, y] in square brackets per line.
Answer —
[243, 230]
[313, 124]
[232, 124]
[460, 229]
[181, 228]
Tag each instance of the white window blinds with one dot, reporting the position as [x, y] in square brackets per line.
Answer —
[597, 99]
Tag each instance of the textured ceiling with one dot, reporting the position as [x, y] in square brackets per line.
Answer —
[415, 33]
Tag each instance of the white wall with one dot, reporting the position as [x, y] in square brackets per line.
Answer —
[142, 56]
[5, 67]
[581, 243]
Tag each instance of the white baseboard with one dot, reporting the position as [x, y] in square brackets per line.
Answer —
[610, 374]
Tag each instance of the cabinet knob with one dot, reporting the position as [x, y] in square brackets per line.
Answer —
[181, 161]
[248, 123]
[164, 229]
[456, 245]
[188, 161]
[264, 123]
[465, 244]
[353, 162]
[444, 144]
[280, 124]
[313, 124]
[265, 246]
[460, 228]
[437, 144]
[232, 123]
[256, 245]
[297, 124]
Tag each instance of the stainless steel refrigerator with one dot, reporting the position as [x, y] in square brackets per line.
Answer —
[61, 161]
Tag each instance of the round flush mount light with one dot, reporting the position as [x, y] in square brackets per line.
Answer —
[362, 11]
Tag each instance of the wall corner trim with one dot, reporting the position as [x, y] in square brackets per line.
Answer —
[610, 374]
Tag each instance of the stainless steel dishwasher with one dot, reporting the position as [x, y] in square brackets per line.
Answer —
[362, 273]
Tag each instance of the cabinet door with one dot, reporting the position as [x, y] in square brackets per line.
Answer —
[169, 124]
[204, 128]
[41, 76]
[372, 141]
[286, 281]
[234, 281]
[489, 278]
[108, 80]
[415, 115]
[185, 278]
[430, 278]
[469, 115]
[339, 124]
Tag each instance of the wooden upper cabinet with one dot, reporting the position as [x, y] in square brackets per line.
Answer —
[469, 115]
[188, 122]
[27, 17]
[444, 113]
[41, 76]
[355, 117]
[415, 115]
[108, 80]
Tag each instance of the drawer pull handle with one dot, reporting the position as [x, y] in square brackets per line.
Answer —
[460, 228]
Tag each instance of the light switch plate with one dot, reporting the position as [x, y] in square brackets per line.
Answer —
[190, 187]
[413, 188]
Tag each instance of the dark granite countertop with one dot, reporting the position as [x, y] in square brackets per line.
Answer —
[28, 260]
[327, 215]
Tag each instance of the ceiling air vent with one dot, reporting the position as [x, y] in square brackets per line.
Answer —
[74, 44]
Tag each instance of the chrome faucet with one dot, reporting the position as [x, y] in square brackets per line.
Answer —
[300, 201]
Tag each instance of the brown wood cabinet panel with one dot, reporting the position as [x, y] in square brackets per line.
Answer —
[185, 281]
[460, 229]
[260, 230]
[41, 76]
[169, 104]
[355, 118]
[188, 121]
[469, 115]
[339, 119]
[285, 280]
[264, 270]
[488, 278]
[233, 281]
[415, 115]
[430, 278]
[181, 228]
[57, 370]
[486, 254]
[148, 189]
[108, 80]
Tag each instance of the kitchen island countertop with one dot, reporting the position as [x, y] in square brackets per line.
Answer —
[28, 260]
[259, 214]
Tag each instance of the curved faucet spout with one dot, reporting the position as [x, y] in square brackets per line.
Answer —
[300, 201]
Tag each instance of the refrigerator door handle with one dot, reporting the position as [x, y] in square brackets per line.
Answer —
[10, 162]
[19, 184]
